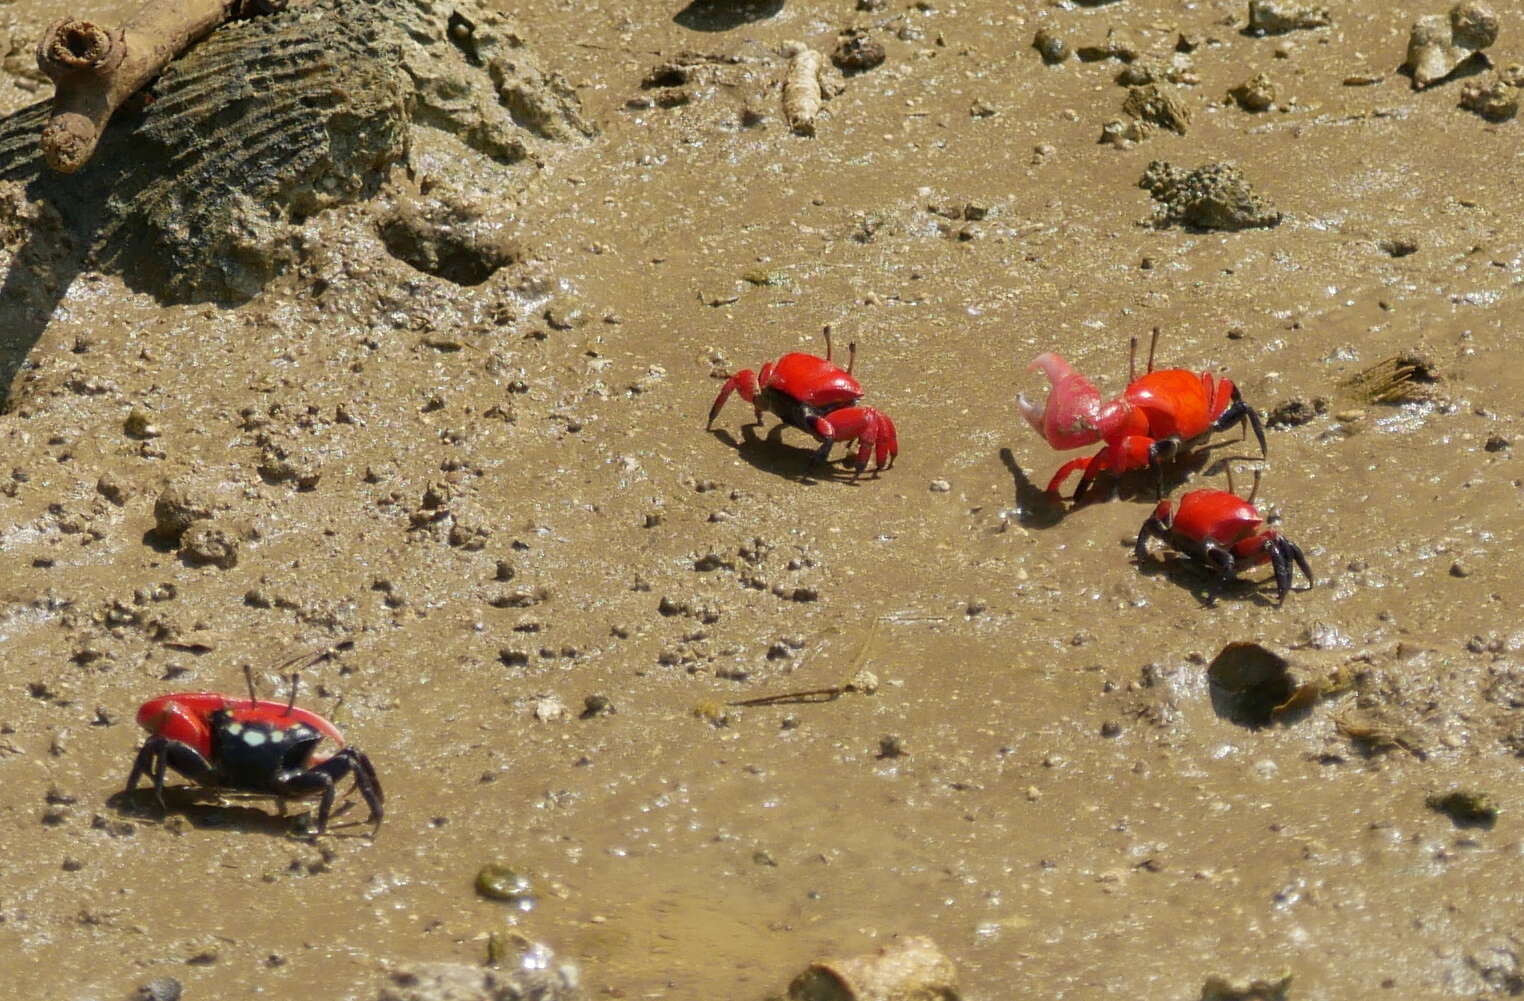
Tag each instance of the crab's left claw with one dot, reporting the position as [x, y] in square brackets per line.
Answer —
[744, 381]
[1071, 417]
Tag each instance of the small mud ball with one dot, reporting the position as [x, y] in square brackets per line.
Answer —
[857, 53]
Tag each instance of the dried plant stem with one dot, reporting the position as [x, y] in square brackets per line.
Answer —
[801, 89]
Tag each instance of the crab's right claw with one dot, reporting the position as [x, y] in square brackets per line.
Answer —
[1071, 417]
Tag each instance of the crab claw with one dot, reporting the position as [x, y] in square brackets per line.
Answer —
[1071, 417]
[872, 429]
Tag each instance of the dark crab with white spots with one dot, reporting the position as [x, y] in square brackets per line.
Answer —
[253, 746]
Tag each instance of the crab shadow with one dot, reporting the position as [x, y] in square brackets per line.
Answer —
[1203, 585]
[725, 15]
[207, 810]
[40, 274]
[1036, 508]
[771, 454]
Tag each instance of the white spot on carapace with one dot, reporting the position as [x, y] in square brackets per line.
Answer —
[254, 737]
[235, 728]
[276, 736]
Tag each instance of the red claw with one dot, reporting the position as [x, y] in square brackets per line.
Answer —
[745, 381]
[871, 429]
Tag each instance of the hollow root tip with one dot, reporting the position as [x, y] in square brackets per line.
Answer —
[68, 140]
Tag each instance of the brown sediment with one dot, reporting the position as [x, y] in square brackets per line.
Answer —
[96, 69]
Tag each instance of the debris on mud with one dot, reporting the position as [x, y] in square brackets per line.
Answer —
[802, 94]
[1496, 100]
[496, 881]
[1213, 196]
[159, 989]
[535, 974]
[210, 543]
[1158, 106]
[1440, 44]
[1398, 246]
[1124, 133]
[1409, 377]
[1466, 807]
[183, 502]
[1254, 95]
[1377, 730]
[1255, 686]
[1051, 47]
[1276, 17]
[286, 134]
[1116, 46]
[1296, 411]
[909, 969]
[1222, 989]
[96, 70]
[857, 52]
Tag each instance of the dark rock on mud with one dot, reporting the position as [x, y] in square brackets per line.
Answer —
[159, 989]
[858, 52]
[1213, 196]
[273, 119]
[1051, 47]
[210, 542]
[1116, 46]
[1466, 807]
[1296, 411]
[1496, 100]
[1223, 989]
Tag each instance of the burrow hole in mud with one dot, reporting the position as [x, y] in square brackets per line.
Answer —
[463, 257]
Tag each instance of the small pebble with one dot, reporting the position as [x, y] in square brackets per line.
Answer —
[940, 486]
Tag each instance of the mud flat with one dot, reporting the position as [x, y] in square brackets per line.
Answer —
[445, 415]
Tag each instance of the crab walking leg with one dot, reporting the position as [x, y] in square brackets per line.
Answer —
[324, 778]
[159, 752]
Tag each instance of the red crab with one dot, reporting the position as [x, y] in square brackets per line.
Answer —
[1154, 418]
[248, 745]
[1220, 530]
[813, 394]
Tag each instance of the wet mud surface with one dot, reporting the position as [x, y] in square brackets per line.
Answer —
[494, 495]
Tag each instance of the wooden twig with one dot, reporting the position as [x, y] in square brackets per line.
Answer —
[95, 70]
[857, 681]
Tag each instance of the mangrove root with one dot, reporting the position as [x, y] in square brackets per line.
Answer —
[95, 70]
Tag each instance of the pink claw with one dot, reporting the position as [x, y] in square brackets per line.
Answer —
[1072, 415]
